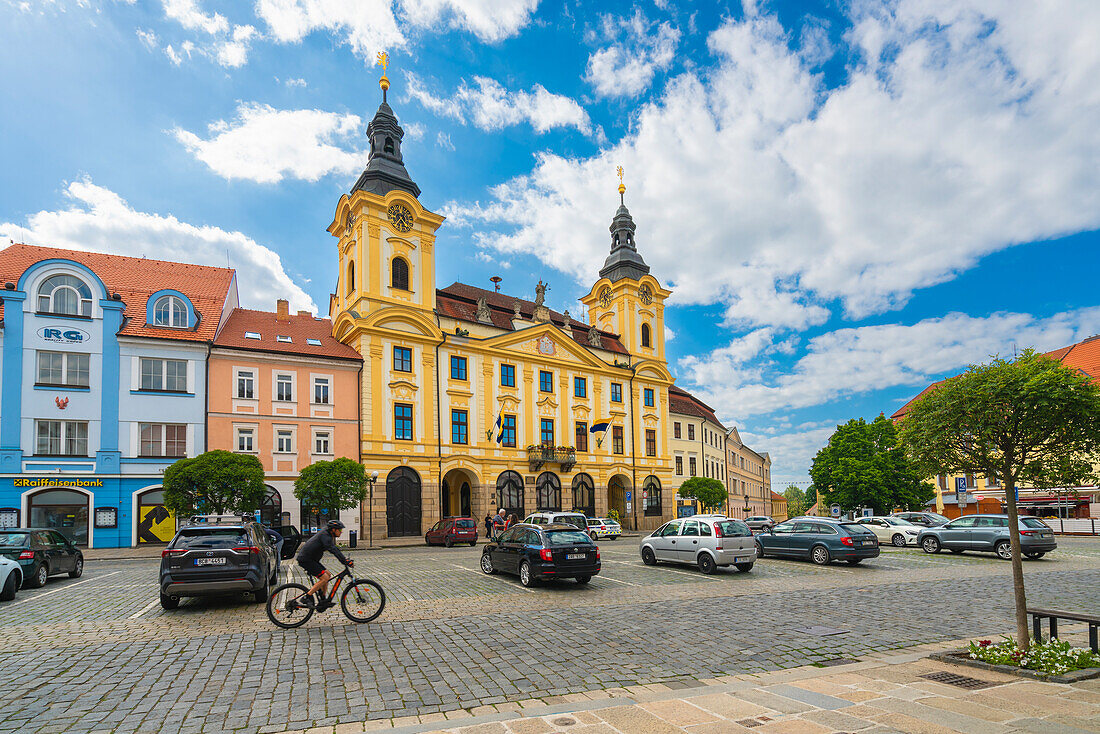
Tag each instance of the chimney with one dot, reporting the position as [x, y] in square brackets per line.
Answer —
[306, 313]
[282, 311]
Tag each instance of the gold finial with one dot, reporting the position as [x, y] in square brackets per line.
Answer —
[622, 186]
[383, 58]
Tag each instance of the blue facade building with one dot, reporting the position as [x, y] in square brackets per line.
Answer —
[102, 386]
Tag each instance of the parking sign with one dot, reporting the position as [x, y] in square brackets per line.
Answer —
[835, 510]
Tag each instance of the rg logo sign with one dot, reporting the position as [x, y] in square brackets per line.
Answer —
[63, 336]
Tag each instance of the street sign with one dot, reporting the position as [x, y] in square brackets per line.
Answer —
[835, 510]
[629, 496]
[868, 511]
[961, 498]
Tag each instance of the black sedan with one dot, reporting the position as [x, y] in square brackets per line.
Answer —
[41, 553]
[536, 552]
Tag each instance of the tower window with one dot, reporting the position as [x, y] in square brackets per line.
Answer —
[399, 274]
[387, 147]
[351, 278]
[646, 339]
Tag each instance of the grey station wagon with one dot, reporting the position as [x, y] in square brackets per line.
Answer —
[988, 533]
[819, 539]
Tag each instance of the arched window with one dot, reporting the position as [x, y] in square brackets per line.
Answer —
[170, 311]
[399, 273]
[645, 335]
[651, 493]
[548, 492]
[65, 294]
[351, 278]
[584, 495]
[387, 147]
[510, 493]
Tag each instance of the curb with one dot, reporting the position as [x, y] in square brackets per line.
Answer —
[961, 657]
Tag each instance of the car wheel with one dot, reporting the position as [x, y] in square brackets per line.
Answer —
[759, 549]
[487, 563]
[78, 569]
[743, 567]
[1035, 556]
[819, 554]
[898, 540]
[583, 579]
[706, 563]
[647, 556]
[525, 576]
[930, 545]
[594, 536]
[448, 543]
[1004, 550]
[10, 587]
[426, 541]
[169, 602]
[38, 579]
[260, 595]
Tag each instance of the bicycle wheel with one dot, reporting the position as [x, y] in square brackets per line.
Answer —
[282, 612]
[363, 600]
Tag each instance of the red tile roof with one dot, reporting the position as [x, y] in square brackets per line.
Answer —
[459, 301]
[1084, 355]
[135, 279]
[778, 497]
[682, 402]
[299, 328]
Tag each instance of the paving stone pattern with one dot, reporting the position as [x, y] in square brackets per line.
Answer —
[99, 654]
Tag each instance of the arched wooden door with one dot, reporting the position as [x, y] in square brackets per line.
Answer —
[584, 495]
[403, 502]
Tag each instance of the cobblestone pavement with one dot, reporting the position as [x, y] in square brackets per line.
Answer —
[99, 654]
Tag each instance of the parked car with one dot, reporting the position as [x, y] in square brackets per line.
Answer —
[292, 538]
[706, 541]
[451, 530]
[217, 554]
[989, 533]
[602, 527]
[576, 519]
[11, 578]
[41, 553]
[534, 552]
[818, 539]
[757, 523]
[924, 519]
[893, 530]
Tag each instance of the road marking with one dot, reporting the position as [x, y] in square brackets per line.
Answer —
[479, 572]
[63, 588]
[665, 568]
[146, 608]
[617, 581]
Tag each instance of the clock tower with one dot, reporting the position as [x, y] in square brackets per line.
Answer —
[627, 300]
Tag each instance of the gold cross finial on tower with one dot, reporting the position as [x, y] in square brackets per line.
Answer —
[622, 186]
[383, 58]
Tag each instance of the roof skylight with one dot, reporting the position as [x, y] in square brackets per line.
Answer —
[252, 335]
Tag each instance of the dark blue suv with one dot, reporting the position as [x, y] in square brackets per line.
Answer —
[536, 552]
[818, 539]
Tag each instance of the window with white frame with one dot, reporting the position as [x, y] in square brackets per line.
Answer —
[320, 390]
[61, 438]
[284, 388]
[322, 441]
[170, 311]
[165, 375]
[246, 440]
[246, 384]
[162, 439]
[65, 294]
[284, 441]
[63, 368]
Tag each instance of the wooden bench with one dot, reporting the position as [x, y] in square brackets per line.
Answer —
[1038, 615]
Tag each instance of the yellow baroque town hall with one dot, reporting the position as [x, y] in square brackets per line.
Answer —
[472, 400]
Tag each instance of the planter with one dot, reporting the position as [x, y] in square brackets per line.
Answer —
[962, 657]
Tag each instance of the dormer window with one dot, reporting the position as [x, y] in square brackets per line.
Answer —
[170, 311]
[65, 294]
[387, 147]
[252, 335]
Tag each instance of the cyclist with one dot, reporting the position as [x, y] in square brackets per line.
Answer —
[309, 558]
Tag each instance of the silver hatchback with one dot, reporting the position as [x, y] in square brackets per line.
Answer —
[706, 541]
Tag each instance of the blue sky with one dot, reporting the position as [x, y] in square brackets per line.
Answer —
[849, 200]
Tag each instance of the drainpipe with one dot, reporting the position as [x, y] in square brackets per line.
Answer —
[438, 424]
[633, 457]
[206, 390]
[359, 452]
[703, 447]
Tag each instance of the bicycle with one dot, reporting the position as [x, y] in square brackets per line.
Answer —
[362, 601]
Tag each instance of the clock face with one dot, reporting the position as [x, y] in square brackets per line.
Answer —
[400, 217]
[645, 294]
[605, 297]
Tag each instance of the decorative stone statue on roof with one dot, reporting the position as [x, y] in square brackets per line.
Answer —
[540, 294]
[594, 337]
[568, 318]
[483, 310]
[515, 310]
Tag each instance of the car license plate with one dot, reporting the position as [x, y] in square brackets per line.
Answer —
[574, 556]
[1044, 535]
[210, 561]
[868, 542]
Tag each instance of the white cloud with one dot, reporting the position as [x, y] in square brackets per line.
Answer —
[188, 14]
[490, 106]
[267, 145]
[298, 82]
[489, 20]
[100, 220]
[669, 334]
[148, 38]
[226, 43]
[962, 129]
[626, 68]
[791, 451]
[443, 140]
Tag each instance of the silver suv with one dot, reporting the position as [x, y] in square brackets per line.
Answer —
[759, 522]
[575, 519]
[706, 541]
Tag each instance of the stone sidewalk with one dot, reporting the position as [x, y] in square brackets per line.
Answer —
[884, 693]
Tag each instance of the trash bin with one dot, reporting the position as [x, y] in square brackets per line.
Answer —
[352, 539]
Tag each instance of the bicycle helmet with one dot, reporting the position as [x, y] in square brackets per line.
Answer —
[335, 525]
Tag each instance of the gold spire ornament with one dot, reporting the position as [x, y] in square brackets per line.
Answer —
[622, 186]
[383, 58]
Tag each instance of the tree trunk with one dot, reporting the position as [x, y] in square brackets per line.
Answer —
[1017, 563]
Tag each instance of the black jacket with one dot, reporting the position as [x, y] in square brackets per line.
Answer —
[315, 547]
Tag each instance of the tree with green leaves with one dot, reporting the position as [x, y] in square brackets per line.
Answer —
[340, 484]
[216, 482]
[796, 501]
[710, 493]
[1030, 420]
[864, 465]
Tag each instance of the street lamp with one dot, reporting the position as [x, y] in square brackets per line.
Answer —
[370, 509]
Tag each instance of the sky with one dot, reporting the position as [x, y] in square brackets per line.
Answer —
[848, 200]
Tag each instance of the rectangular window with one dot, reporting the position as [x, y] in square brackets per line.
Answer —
[320, 391]
[507, 375]
[458, 368]
[546, 381]
[168, 375]
[244, 440]
[459, 427]
[547, 432]
[403, 422]
[284, 388]
[616, 392]
[284, 441]
[580, 387]
[691, 465]
[676, 429]
[322, 443]
[650, 442]
[61, 438]
[648, 397]
[245, 384]
[159, 439]
[617, 439]
[581, 436]
[63, 368]
[402, 359]
[691, 433]
[679, 466]
[508, 431]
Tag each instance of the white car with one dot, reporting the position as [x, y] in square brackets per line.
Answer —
[11, 578]
[892, 530]
[602, 527]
